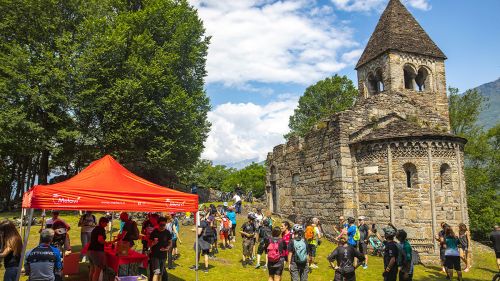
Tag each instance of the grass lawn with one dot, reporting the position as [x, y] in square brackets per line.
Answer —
[227, 264]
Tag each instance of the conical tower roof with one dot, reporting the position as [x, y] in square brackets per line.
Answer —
[398, 30]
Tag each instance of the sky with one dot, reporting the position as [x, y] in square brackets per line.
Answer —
[264, 53]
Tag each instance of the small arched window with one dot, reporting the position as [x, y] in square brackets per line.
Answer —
[411, 175]
[409, 77]
[421, 79]
[445, 176]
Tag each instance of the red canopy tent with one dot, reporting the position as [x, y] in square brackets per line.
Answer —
[105, 185]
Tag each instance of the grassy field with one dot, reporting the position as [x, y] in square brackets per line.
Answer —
[227, 264]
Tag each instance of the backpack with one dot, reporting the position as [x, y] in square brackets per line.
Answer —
[225, 225]
[265, 233]
[134, 234]
[357, 235]
[300, 249]
[309, 233]
[273, 250]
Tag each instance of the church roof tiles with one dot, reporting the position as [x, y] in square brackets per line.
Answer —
[398, 30]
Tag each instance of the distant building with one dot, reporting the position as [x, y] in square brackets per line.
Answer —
[391, 157]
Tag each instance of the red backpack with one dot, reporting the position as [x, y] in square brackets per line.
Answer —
[273, 250]
[225, 225]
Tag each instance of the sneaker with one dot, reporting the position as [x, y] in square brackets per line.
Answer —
[314, 265]
[257, 266]
[193, 267]
[205, 270]
[364, 266]
[264, 267]
[466, 270]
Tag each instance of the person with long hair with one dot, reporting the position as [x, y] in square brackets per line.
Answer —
[464, 236]
[451, 255]
[12, 245]
[275, 247]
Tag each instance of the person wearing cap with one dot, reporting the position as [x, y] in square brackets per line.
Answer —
[342, 260]
[129, 231]
[297, 255]
[391, 253]
[363, 239]
[247, 232]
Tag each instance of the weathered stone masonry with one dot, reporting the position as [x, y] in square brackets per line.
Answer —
[391, 156]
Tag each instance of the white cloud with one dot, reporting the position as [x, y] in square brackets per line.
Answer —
[272, 41]
[247, 130]
[368, 5]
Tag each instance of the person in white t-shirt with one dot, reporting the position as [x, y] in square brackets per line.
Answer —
[61, 229]
[237, 203]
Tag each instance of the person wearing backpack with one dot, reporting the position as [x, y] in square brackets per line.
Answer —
[391, 253]
[130, 231]
[352, 232]
[405, 257]
[275, 247]
[263, 235]
[225, 229]
[297, 255]
[342, 260]
[312, 236]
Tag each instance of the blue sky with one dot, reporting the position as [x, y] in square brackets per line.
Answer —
[264, 53]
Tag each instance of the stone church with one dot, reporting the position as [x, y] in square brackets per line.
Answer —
[391, 157]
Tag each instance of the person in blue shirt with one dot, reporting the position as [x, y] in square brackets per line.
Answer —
[351, 231]
[231, 215]
[44, 261]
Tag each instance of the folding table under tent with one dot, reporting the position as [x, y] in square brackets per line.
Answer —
[105, 185]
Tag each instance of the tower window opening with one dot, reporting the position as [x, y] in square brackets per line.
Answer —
[376, 82]
[421, 79]
[409, 77]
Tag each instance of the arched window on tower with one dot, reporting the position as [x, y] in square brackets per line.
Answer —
[422, 79]
[409, 77]
[445, 176]
[410, 175]
[375, 82]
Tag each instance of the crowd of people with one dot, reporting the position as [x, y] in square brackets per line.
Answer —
[265, 244]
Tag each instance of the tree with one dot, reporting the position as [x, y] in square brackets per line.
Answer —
[80, 79]
[205, 174]
[321, 100]
[141, 77]
[464, 110]
[482, 161]
[251, 178]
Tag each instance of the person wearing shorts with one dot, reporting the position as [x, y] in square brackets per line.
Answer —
[161, 243]
[248, 232]
[95, 252]
[363, 239]
[451, 255]
[275, 267]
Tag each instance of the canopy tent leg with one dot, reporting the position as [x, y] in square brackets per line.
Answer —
[196, 223]
[25, 244]
[22, 220]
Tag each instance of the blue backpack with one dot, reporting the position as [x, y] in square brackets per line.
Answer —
[300, 248]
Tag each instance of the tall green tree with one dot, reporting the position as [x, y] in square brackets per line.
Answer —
[140, 84]
[482, 161]
[321, 100]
